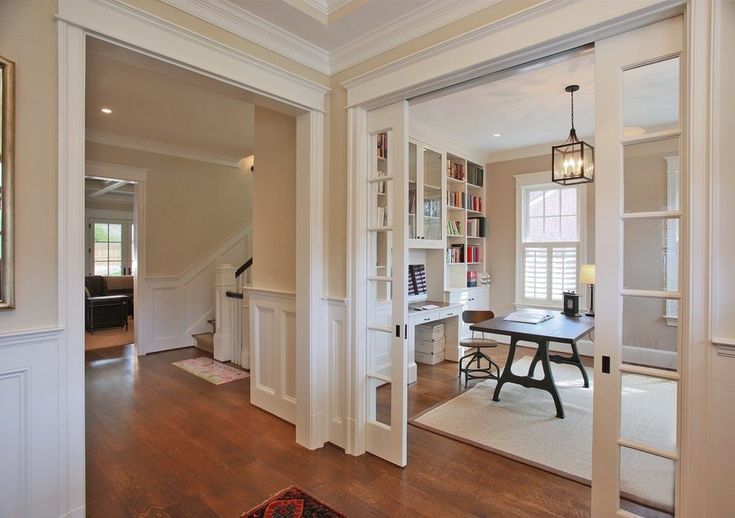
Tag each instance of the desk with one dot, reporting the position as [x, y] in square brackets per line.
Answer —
[558, 329]
[446, 313]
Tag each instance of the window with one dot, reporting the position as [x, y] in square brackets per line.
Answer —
[108, 249]
[550, 230]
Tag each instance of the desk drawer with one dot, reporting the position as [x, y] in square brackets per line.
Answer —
[449, 313]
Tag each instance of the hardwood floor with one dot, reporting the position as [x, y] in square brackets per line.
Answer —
[162, 442]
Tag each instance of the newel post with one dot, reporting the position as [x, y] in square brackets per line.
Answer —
[224, 281]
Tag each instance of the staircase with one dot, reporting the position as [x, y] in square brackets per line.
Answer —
[230, 341]
[205, 341]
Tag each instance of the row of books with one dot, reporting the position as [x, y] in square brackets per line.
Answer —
[475, 174]
[474, 254]
[382, 145]
[476, 226]
[454, 228]
[456, 199]
[474, 203]
[455, 254]
[455, 170]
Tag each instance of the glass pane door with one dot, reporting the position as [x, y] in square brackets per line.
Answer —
[433, 220]
[637, 339]
[110, 247]
[389, 193]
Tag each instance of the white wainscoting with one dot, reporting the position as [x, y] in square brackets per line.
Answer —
[175, 308]
[273, 352]
[722, 425]
[30, 477]
[337, 369]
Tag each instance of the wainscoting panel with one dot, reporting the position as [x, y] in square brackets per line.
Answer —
[338, 390]
[180, 306]
[273, 352]
[29, 424]
[722, 388]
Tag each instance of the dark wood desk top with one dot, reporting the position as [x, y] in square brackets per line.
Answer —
[559, 328]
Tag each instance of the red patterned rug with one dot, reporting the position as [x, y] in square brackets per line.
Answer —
[292, 502]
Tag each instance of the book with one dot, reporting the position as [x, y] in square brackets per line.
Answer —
[529, 316]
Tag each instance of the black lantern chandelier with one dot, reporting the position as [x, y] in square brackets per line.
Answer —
[574, 161]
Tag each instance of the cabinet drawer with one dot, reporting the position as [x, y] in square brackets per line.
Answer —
[448, 313]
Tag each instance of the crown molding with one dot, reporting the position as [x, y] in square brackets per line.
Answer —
[251, 27]
[403, 29]
[160, 148]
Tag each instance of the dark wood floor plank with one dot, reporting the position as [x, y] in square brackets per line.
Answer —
[162, 442]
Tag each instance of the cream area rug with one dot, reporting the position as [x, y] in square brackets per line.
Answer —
[523, 426]
[211, 370]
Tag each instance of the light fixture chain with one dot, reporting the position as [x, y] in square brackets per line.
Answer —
[572, 92]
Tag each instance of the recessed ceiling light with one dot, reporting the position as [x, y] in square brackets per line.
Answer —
[106, 111]
[496, 134]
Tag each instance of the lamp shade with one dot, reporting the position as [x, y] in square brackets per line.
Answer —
[587, 274]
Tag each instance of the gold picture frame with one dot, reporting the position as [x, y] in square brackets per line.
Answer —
[7, 172]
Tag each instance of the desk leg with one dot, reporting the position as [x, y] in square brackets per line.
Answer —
[575, 360]
[550, 386]
[507, 374]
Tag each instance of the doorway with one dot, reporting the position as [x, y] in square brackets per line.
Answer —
[111, 260]
[528, 269]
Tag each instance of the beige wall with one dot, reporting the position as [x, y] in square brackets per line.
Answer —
[501, 216]
[191, 206]
[28, 37]
[274, 202]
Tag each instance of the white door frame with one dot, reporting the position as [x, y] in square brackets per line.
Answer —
[129, 27]
[532, 34]
[139, 175]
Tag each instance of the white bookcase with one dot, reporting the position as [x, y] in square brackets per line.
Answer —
[447, 274]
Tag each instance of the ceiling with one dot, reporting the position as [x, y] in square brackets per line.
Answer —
[331, 35]
[360, 18]
[157, 102]
[530, 108]
[109, 193]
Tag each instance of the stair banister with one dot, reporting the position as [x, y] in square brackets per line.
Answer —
[224, 281]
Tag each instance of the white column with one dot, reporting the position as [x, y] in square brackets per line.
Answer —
[224, 281]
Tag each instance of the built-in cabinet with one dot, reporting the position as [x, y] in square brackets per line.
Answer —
[447, 223]
[426, 188]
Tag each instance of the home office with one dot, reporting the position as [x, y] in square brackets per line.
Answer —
[492, 233]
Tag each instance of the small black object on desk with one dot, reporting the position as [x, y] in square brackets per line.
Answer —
[571, 304]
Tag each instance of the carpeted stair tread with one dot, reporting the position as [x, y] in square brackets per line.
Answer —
[205, 341]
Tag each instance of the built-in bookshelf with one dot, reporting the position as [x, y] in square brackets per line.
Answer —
[464, 221]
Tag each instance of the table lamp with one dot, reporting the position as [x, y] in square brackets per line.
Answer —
[587, 276]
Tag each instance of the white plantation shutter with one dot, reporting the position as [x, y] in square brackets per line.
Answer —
[563, 271]
[549, 243]
[535, 273]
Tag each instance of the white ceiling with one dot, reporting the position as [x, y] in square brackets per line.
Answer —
[118, 194]
[158, 102]
[331, 35]
[362, 19]
[531, 108]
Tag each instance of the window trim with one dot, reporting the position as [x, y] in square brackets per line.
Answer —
[541, 180]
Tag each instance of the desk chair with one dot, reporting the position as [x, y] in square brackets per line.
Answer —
[478, 343]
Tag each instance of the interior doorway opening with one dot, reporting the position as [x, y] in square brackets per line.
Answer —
[538, 242]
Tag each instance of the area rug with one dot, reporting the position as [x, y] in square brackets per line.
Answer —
[523, 426]
[211, 370]
[292, 502]
[110, 337]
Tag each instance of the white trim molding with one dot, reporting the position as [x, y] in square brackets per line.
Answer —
[252, 27]
[159, 148]
[544, 29]
[129, 26]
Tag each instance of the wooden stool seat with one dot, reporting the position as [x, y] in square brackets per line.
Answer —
[478, 343]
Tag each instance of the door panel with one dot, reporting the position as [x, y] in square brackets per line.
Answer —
[386, 284]
[638, 144]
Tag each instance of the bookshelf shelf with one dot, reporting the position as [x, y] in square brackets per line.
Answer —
[461, 194]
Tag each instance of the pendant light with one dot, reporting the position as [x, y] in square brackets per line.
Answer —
[574, 161]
